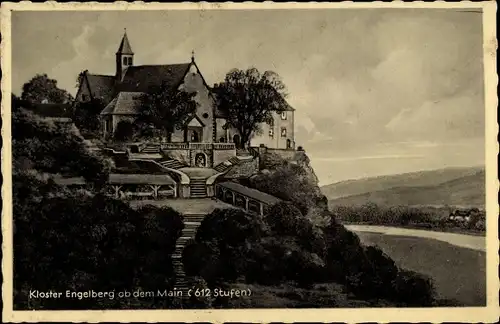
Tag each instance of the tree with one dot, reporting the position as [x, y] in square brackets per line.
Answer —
[248, 98]
[47, 147]
[86, 115]
[41, 88]
[165, 109]
[124, 131]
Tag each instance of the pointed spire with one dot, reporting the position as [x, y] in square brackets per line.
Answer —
[125, 47]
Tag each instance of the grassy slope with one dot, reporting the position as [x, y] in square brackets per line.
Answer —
[466, 190]
[414, 179]
[458, 273]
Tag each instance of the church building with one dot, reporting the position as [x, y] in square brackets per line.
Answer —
[121, 94]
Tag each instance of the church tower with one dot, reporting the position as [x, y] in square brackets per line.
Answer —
[124, 57]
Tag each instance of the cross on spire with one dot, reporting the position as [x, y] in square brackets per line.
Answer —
[192, 56]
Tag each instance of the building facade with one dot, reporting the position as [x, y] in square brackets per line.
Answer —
[121, 95]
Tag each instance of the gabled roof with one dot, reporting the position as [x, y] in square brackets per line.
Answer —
[125, 47]
[251, 193]
[101, 86]
[195, 117]
[142, 78]
[126, 103]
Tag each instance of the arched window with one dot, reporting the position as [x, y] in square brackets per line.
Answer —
[124, 61]
[129, 61]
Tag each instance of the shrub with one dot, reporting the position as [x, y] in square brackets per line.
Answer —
[290, 182]
[413, 288]
[231, 245]
[81, 243]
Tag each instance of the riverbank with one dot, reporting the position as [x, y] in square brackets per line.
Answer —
[459, 274]
[473, 242]
[424, 227]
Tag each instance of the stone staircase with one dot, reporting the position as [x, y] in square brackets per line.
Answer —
[191, 224]
[172, 164]
[224, 166]
[151, 149]
[198, 187]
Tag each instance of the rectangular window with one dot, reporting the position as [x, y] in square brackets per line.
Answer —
[271, 132]
[124, 61]
[283, 115]
[283, 132]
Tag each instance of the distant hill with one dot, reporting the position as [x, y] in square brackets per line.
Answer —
[450, 186]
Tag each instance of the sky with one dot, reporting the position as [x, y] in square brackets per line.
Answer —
[376, 91]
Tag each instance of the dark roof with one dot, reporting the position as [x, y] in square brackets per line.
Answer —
[251, 193]
[101, 86]
[125, 47]
[126, 103]
[52, 110]
[142, 78]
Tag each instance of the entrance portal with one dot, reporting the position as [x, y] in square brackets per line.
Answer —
[236, 140]
[200, 160]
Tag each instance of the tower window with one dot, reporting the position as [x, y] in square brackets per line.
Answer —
[124, 61]
[129, 61]
[283, 132]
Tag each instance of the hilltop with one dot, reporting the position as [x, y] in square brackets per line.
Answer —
[449, 186]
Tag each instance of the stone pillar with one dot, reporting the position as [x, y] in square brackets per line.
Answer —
[184, 191]
[155, 189]
[234, 198]
[246, 203]
[210, 191]
[117, 191]
[261, 205]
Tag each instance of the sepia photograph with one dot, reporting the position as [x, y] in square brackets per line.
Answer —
[325, 159]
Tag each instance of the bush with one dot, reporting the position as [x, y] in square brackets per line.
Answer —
[232, 245]
[46, 147]
[80, 243]
[290, 182]
[413, 289]
[86, 116]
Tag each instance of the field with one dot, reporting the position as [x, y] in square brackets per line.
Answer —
[419, 217]
[458, 273]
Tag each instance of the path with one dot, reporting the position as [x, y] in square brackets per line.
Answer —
[473, 242]
[191, 224]
[194, 210]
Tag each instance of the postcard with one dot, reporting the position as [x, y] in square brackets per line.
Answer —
[249, 162]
